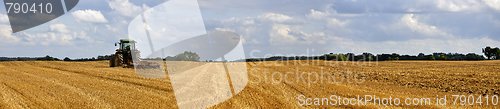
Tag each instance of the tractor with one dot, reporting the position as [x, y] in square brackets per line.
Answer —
[124, 54]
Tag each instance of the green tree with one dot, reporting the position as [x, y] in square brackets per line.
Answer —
[443, 57]
[342, 57]
[496, 52]
[421, 56]
[394, 56]
[48, 58]
[473, 56]
[187, 56]
[488, 52]
[66, 59]
[367, 57]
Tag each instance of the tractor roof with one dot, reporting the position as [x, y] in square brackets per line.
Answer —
[127, 41]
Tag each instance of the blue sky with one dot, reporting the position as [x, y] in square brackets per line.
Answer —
[279, 27]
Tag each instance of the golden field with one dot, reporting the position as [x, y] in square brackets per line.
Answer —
[271, 84]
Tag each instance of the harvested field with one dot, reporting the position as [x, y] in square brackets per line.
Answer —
[271, 84]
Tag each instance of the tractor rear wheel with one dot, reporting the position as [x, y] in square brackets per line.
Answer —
[116, 60]
[119, 59]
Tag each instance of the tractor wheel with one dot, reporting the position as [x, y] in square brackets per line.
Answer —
[119, 59]
[112, 61]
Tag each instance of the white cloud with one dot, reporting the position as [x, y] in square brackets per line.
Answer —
[315, 14]
[4, 18]
[6, 34]
[336, 22]
[5, 30]
[59, 27]
[287, 34]
[281, 34]
[325, 17]
[275, 17]
[58, 34]
[280, 29]
[411, 21]
[495, 4]
[91, 16]
[125, 8]
[46, 38]
[112, 29]
[224, 29]
[459, 5]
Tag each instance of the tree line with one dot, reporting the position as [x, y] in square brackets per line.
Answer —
[378, 57]
[50, 58]
[45, 58]
[99, 58]
[489, 52]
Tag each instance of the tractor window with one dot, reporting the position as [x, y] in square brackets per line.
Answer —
[126, 45]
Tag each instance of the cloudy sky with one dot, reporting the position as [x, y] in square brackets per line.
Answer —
[279, 27]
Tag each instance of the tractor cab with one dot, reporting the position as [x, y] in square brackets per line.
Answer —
[126, 44]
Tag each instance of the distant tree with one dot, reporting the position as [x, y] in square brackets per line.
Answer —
[350, 56]
[473, 56]
[383, 57]
[330, 56]
[187, 56]
[421, 56]
[443, 57]
[488, 52]
[47, 58]
[342, 57]
[367, 57]
[497, 53]
[66, 59]
[439, 56]
[394, 56]
[105, 57]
